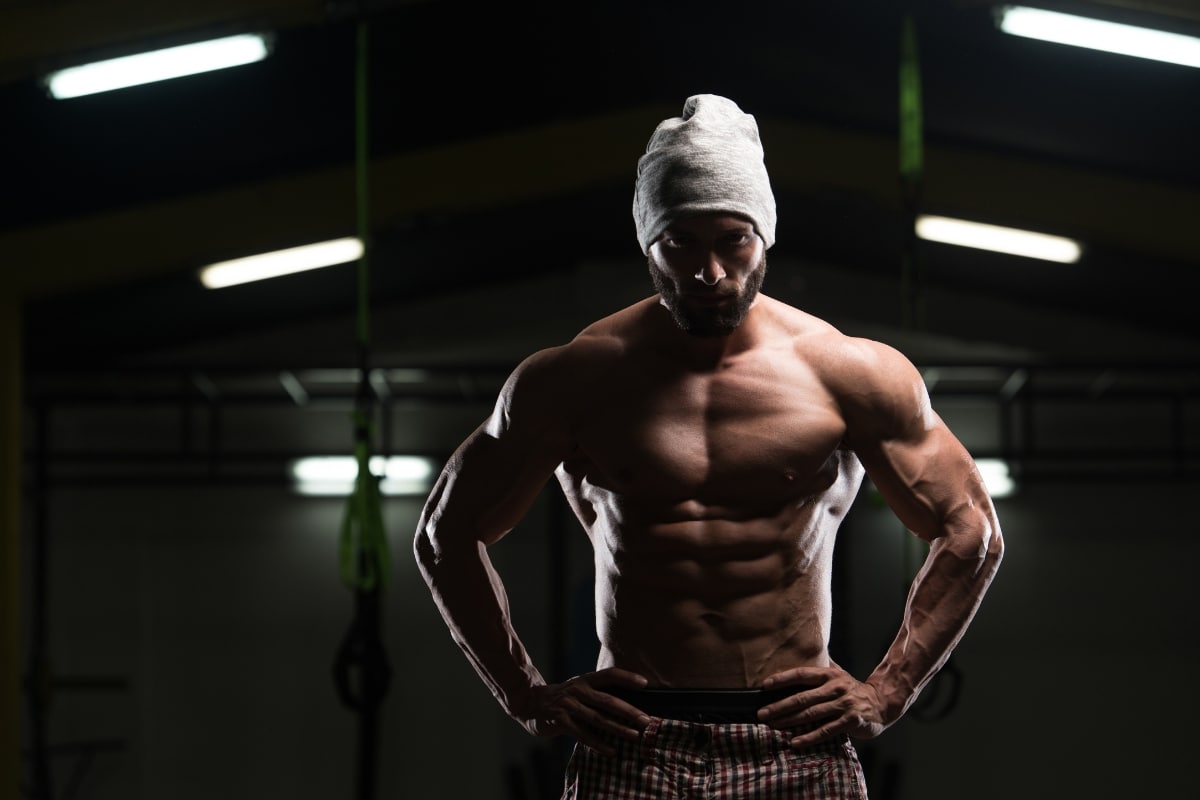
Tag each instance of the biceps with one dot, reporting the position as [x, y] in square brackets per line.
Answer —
[485, 489]
[928, 480]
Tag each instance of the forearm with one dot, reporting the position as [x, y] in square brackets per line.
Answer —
[472, 601]
[941, 603]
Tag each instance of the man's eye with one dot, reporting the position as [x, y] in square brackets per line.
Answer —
[675, 242]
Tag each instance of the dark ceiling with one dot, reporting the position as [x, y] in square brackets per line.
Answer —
[502, 140]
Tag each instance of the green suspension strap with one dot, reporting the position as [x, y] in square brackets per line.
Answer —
[911, 171]
[365, 561]
[361, 670]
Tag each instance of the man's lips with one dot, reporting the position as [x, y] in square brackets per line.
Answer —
[709, 299]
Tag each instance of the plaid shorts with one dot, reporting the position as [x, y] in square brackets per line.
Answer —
[677, 760]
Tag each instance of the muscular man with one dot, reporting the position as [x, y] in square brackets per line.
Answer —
[710, 440]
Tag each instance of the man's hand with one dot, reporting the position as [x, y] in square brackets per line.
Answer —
[826, 697]
[581, 708]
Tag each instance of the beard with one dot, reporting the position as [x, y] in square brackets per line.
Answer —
[709, 320]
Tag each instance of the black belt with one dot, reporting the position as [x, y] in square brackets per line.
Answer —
[702, 705]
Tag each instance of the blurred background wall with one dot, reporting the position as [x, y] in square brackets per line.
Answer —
[206, 609]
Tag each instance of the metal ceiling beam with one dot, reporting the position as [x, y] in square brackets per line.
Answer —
[1026, 397]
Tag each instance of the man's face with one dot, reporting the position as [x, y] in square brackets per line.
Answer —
[707, 270]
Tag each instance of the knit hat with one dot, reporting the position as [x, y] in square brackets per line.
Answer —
[710, 159]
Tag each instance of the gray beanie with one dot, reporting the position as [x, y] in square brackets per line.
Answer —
[710, 159]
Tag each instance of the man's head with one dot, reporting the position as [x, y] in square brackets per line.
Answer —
[705, 214]
[710, 159]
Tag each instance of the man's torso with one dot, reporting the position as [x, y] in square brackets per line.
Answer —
[712, 497]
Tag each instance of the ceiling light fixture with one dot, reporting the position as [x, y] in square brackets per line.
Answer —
[997, 477]
[1013, 241]
[1096, 34]
[334, 476]
[281, 262]
[157, 65]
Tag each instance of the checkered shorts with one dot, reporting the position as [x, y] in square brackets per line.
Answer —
[676, 760]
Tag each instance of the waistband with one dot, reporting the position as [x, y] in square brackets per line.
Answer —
[732, 706]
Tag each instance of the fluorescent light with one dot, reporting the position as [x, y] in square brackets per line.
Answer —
[994, 237]
[996, 477]
[281, 262]
[157, 65]
[335, 475]
[1113, 37]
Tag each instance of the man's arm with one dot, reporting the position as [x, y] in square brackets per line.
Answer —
[930, 481]
[484, 490]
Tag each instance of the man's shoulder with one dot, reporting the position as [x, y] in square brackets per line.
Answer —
[816, 337]
[603, 341]
[873, 383]
[861, 358]
[844, 361]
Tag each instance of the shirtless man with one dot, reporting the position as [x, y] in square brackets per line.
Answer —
[710, 440]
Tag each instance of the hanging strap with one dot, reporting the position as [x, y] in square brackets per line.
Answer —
[360, 180]
[912, 167]
[911, 148]
[365, 561]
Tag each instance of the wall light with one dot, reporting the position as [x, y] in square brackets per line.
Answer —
[333, 476]
[996, 477]
[157, 65]
[1112, 37]
[998, 239]
[281, 262]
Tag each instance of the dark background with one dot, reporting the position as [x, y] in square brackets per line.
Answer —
[181, 608]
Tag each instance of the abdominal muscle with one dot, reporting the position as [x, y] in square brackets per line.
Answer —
[715, 603]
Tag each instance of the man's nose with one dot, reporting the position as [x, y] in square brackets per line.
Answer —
[711, 272]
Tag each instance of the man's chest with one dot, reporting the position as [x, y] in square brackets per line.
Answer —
[753, 428]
